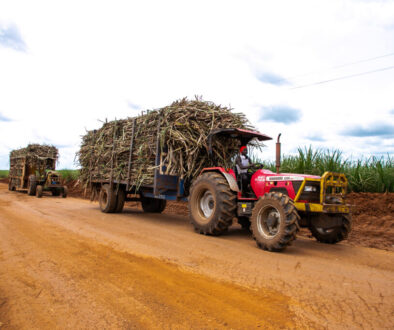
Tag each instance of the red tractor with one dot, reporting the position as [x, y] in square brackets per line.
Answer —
[273, 205]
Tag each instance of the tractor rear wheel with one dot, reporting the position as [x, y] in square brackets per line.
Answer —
[333, 235]
[39, 191]
[107, 199]
[31, 185]
[212, 204]
[153, 205]
[274, 222]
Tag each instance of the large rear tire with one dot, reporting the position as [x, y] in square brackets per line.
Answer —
[274, 222]
[212, 204]
[107, 199]
[31, 185]
[333, 235]
[153, 205]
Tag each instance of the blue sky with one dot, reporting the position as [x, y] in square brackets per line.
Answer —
[66, 66]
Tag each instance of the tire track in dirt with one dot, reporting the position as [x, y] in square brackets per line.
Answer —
[330, 286]
[55, 278]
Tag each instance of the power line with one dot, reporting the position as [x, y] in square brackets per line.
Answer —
[337, 67]
[344, 77]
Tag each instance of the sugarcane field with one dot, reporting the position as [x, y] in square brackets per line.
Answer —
[170, 165]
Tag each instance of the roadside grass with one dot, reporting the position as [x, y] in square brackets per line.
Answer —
[371, 174]
[3, 174]
[69, 175]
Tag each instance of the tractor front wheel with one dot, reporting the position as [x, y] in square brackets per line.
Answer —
[274, 222]
[212, 204]
[335, 234]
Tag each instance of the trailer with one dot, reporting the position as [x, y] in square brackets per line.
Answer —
[33, 169]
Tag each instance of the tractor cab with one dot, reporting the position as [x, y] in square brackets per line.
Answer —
[244, 137]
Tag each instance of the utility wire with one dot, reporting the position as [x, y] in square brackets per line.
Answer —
[344, 77]
[337, 67]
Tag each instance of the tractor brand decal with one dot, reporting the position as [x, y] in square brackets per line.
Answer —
[285, 178]
[260, 178]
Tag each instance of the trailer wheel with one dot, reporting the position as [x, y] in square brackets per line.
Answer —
[65, 192]
[107, 199]
[153, 205]
[39, 190]
[211, 204]
[333, 235]
[120, 199]
[274, 222]
[31, 185]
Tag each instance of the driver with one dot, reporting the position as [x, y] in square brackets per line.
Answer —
[243, 164]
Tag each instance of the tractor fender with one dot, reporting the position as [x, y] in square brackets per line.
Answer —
[231, 181]
[229, 178]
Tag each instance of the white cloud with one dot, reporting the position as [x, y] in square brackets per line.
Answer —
[91, 60]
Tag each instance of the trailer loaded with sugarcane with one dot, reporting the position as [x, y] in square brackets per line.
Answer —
[33, 169]
[186, 152]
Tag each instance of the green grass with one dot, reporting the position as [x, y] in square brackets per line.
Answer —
[69, 175]
[364, 175]
[3, 174]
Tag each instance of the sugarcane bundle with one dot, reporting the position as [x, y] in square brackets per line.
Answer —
[183, 128]
[34, 155]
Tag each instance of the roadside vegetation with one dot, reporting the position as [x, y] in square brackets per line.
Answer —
[365, 175]
[3, 174]
[69, 175]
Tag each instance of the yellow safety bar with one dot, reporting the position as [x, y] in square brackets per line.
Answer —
[335, 181]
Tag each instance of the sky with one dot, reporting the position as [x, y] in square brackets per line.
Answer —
[319, 72]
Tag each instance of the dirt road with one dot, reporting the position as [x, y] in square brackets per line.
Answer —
[64, 264]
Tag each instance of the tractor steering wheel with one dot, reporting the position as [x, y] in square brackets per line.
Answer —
[255, 167]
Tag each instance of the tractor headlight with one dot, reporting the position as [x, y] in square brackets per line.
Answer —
[310, 188]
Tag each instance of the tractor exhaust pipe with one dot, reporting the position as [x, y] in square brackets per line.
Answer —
[278, 154]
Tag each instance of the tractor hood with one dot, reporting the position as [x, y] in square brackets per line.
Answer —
[271, 176]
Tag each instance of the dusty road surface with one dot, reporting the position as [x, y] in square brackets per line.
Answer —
[64, 264]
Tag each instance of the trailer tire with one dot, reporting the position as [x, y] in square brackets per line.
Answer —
[107, 199]
[39, 191]
[120, 200]
[31, 185]
[212, 204]
[153, 205]
[333, 235]
[274, 222]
